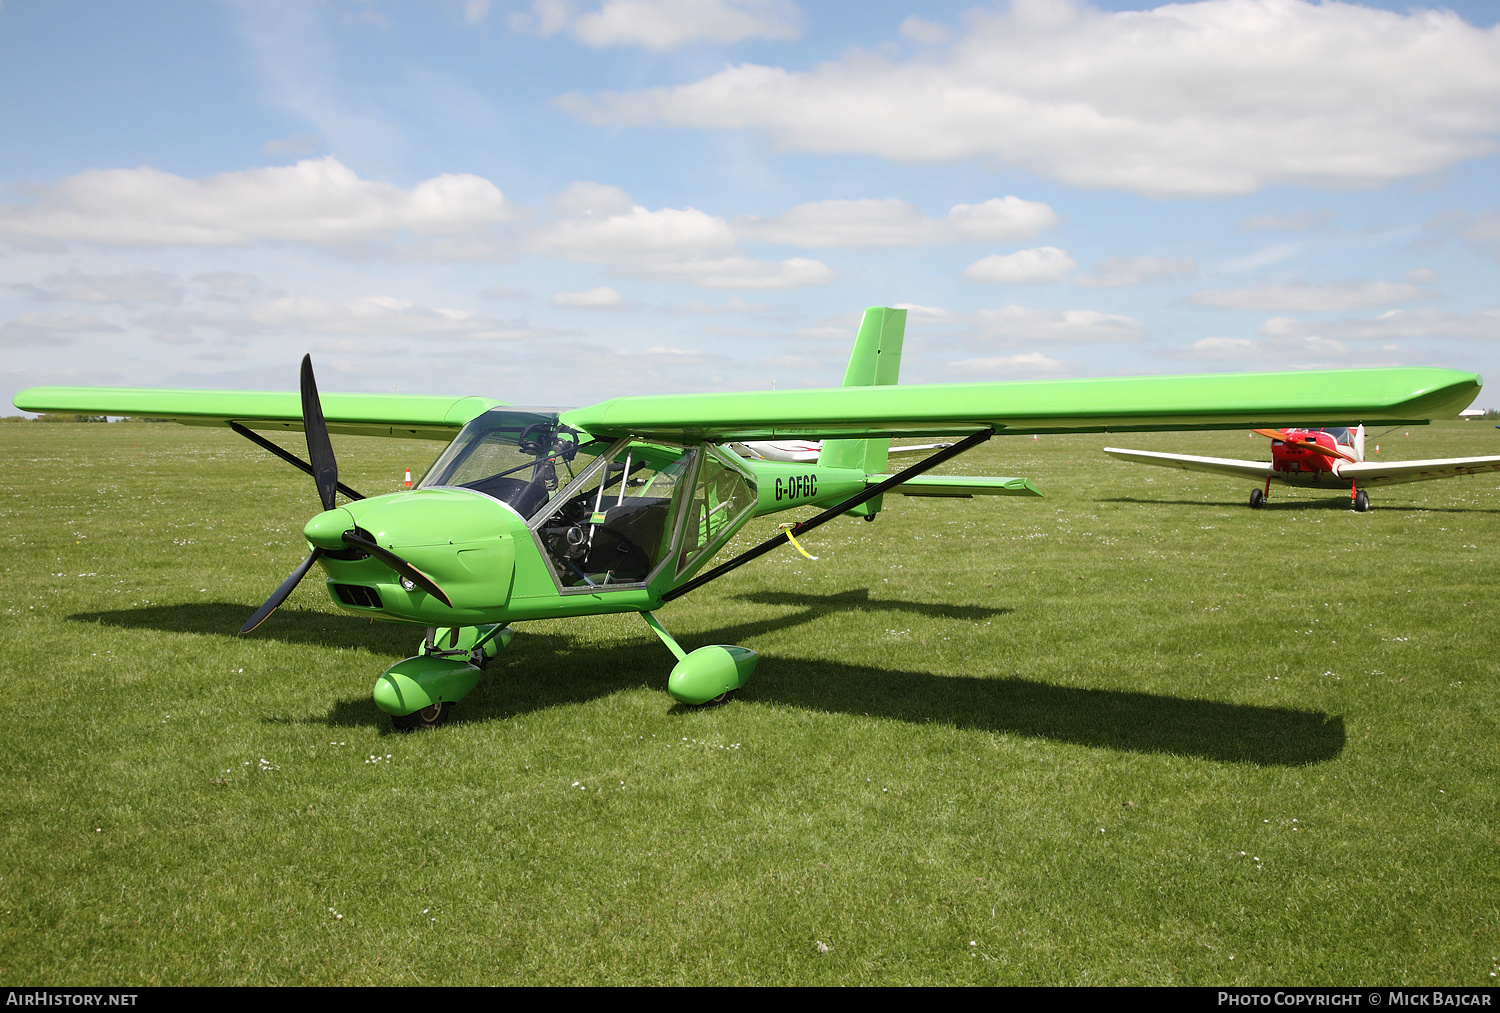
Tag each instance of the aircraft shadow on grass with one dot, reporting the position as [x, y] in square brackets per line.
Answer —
[544, 670]
[1336, 501]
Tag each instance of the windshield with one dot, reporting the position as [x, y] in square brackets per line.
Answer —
[1340, 435]
[520, 456]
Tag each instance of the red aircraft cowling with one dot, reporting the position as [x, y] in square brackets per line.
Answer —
[1288, 454]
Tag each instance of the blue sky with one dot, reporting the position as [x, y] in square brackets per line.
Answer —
[557, 202]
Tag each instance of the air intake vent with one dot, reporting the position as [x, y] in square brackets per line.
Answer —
[358, 595]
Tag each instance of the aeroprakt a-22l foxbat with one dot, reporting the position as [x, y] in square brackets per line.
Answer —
[533, 513]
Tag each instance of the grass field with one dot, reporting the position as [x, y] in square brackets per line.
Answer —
[1131, 733]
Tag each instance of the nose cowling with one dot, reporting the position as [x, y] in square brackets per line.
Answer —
[463, 541]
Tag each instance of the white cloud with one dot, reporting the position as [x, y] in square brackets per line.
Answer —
[368, 316]
[894, 222]
[1118, 271]
[663, 25]
[503, 292]
[1481, 231]
[1420, 276]
[1054, 325]
[317, 201]
[1025, 365]
[1303, 298]
[637, 233]
[743, 273]
[131, 286]
[297, 144]
[1216, 97]
[602, 297]
[1393, 325]
[229, 284]
[475, 11]
[600, 225]
[1307, 351]
[923, 32]
[1294, 222]
[1025, 267]
[918, 314]
[32, 329]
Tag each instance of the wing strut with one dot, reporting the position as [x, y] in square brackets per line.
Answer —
[287, 456]
[802, 527]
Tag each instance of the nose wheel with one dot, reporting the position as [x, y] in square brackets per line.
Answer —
[427, 717]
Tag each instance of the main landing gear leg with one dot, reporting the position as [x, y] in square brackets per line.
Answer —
[708, 676]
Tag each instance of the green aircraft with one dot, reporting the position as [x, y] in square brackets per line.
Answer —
[540, 513]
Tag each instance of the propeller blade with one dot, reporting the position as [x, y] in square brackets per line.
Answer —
[281, 592]
[1316, 448]
[1274, 434]
[403, 569]
[319, 448]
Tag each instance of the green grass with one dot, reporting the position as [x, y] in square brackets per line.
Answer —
[1130, 733]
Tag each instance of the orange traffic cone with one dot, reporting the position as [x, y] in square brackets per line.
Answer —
[407, 483]
[1033, 438]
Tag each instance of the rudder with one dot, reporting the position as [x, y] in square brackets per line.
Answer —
[875, 361]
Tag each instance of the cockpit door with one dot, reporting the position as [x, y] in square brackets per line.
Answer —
[617, 523]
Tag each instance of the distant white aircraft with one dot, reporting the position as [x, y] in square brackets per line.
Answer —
[1333, 457]
[807, 451]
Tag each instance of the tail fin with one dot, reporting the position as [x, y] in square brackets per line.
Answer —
[875, 361]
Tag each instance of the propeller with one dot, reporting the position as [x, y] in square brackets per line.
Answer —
[325, 472]
[319, 447]
[280, 594]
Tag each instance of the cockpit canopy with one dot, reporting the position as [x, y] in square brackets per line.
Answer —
[520, 456]
[606, 515]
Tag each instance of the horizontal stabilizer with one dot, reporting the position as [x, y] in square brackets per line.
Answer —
[1255, 471]
[959, 486]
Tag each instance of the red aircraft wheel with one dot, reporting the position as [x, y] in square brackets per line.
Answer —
[427, 717]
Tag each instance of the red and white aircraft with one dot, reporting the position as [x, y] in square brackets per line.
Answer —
[1316, 458]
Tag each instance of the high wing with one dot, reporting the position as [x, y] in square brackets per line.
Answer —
[1255, 471]
[1390, 473]
[406, 415]
[1125, 404]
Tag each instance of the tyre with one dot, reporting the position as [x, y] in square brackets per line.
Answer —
[427, 717]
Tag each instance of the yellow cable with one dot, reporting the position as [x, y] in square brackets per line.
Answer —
[793, 539]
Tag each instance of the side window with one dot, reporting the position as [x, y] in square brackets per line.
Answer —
[615, 526]
[721, 496]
